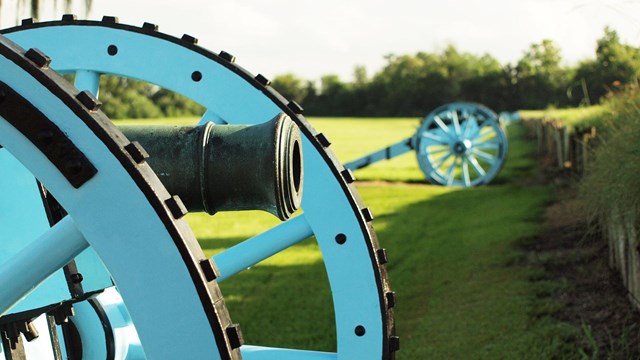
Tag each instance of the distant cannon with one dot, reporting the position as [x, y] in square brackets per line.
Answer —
[508, 117]
[457, 144]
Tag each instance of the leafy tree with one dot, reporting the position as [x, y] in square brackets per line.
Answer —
[126, 98]
[539, 78]
[616, 64]
[493, 89]
[291, 87]
[172, 104]
[415, 84]
[335, 97]
[360, 77]
[410, 84]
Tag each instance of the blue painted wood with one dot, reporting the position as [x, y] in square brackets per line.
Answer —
[26, 269]
[328, 207]
[260, 247]
[461, 144]
[387, 153]
[22, 220]
[263, 353]
[128, 224]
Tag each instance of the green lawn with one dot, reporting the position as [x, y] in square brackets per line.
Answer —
[463, 289]
[353, 138]
[454, 265]
[572, 117]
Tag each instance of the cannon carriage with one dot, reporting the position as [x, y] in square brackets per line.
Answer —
[457, 144]
[96, 259]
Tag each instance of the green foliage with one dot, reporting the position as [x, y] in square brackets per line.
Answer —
[172, 104]
[292, 87]
[580, 117]
[592, 348]
[335, 97]
[612, 178]
[616, 65]
[408, 85]
[413, 85]
[124, 98]
[539, 79]
[618, 348]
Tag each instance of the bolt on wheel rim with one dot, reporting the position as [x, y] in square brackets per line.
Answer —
[333, 212]
[127, 198]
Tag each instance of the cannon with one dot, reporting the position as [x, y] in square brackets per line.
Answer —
[120, 297]
[457, 144]
[272, 149]
[206, 165]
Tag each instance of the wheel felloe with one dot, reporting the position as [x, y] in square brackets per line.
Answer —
[461, 144]
[355, 264]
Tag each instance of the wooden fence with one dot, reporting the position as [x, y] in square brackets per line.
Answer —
[571, 150]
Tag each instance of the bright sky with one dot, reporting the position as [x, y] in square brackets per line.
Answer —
[311, 38]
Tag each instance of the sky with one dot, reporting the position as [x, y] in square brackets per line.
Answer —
[312, 38]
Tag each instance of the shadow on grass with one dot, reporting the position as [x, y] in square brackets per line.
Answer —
[460, 296]
[283, 306]
[448, 255]
[447, 264]
[454, 263]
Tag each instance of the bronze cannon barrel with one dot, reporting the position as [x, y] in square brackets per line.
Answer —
[228, 167]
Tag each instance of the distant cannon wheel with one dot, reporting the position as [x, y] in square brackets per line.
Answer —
[461, 144]
[333, 212]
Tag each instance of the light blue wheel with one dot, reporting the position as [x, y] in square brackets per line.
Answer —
[333, 213]
[461, 144]
[116, 207]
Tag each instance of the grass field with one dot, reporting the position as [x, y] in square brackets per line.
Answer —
[463, 289]
[571, 118]
[353, 138]
[450, 251]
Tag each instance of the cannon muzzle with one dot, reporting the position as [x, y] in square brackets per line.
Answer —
[228, 167]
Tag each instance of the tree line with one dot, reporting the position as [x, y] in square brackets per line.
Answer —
[410, 85]
[413, 85]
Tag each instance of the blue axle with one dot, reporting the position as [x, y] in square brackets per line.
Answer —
[387, 153]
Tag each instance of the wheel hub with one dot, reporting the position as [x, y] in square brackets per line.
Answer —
[461, 147]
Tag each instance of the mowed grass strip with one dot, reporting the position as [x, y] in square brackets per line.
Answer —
[571, 117]
[463, 290]
[352, 138]
[453, 263]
